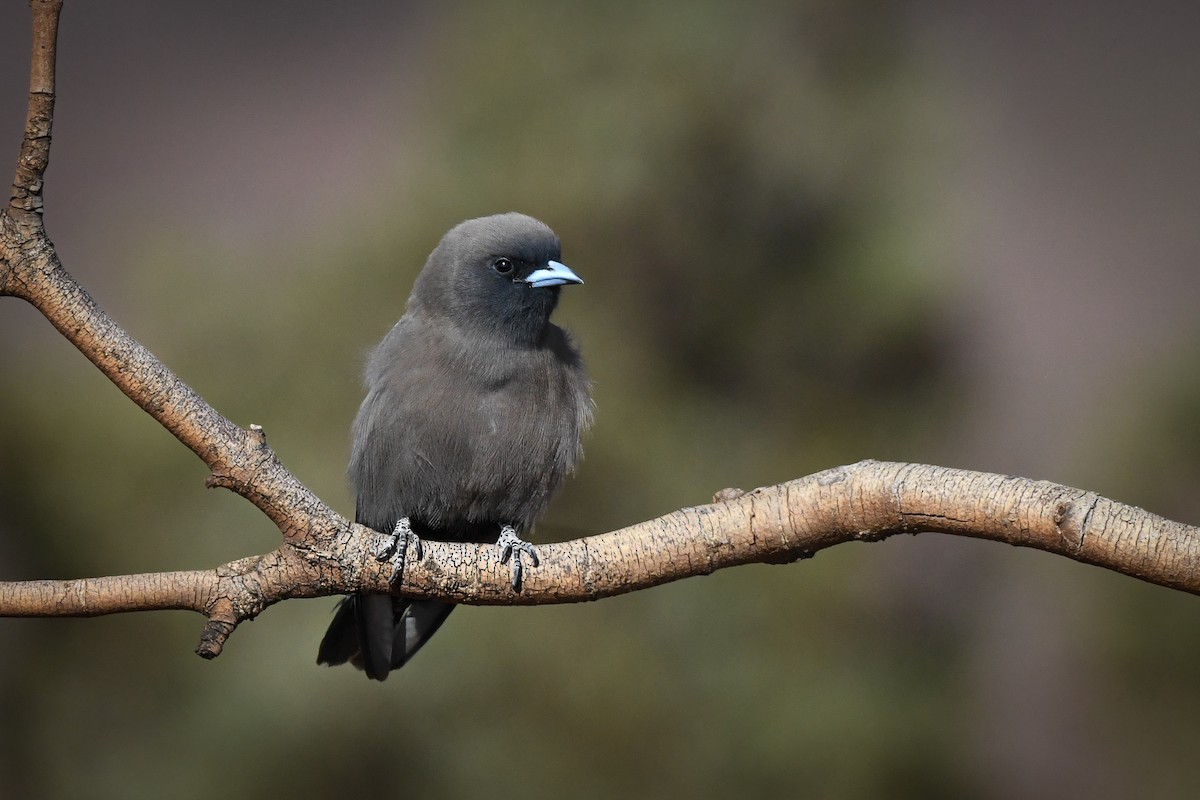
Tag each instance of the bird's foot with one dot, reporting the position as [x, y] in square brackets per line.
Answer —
[511, 547]
[395, 548]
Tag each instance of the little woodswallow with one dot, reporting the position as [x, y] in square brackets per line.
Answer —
[475, 407]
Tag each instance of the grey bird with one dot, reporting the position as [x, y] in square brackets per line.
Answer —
[475, 408]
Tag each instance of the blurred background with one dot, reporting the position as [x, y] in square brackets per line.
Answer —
[812, 232]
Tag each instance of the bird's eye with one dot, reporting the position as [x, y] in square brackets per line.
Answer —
[503, 266]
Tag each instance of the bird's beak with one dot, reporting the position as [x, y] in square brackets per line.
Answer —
[553, 274]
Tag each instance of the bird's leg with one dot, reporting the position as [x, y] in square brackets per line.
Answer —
[512, 546]
[395, 547]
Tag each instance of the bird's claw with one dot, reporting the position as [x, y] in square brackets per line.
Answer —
[387, 547]
[395, 548]
[511, 547]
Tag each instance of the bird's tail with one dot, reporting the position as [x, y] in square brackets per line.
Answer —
[378, 633]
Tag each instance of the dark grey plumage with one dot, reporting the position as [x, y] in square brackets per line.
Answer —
[475, 407]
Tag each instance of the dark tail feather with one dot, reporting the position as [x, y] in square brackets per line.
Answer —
[378, 633]
[376, 621]
[361, 632]
[341, 640]
[419, 621]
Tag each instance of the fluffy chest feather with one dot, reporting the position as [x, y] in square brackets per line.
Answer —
[454, 429]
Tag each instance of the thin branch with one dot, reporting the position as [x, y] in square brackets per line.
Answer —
[240, 459]
[29, 268]
[35, 149]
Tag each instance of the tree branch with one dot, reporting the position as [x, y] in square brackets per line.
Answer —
[322, 553]
[29, 268]
[864, 502]
[35, 149]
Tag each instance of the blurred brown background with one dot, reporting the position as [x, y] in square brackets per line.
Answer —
[811, 233]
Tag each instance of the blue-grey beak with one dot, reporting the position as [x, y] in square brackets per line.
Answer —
[553, 274]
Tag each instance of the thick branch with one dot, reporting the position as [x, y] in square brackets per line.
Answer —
[867, 501]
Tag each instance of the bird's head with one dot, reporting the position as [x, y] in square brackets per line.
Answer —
[501, 274]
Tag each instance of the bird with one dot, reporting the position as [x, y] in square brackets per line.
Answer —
[475, 409]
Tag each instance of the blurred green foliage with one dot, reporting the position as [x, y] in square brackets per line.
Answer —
[735, 183]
